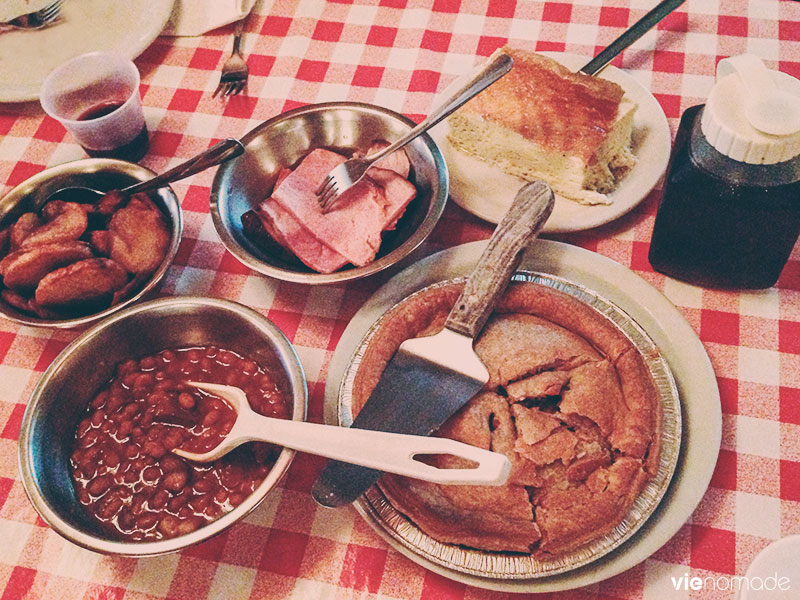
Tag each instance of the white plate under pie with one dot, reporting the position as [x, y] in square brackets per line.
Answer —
[663, 322]
[487, 192]
[127, 28]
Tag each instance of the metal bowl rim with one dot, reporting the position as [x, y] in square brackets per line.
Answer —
[407, 247]
[297, 380]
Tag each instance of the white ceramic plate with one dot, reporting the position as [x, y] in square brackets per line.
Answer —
[663, 322]
[487, 192]
[26, 57]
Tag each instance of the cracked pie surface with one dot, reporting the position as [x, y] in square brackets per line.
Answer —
[570, 401]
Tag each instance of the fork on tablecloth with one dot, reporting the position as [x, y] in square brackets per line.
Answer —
[39, 19]
[234, 72]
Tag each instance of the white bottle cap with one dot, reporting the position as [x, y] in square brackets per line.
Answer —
[753, 114]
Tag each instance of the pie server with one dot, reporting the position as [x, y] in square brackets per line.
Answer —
[430, 378]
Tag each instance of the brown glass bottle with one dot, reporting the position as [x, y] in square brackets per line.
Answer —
[723, 223]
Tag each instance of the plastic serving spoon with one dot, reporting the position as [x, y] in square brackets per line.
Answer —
[391, 452]
[768, 108]
[216, 154]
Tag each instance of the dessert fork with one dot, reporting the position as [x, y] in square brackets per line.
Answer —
[234, 71]
[39, 19]
[347, 174]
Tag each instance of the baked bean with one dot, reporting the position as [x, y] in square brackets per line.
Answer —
[151, 474]
[175, 481]
[146, 521]
[122, 465]
[186, 401]
[159, 499]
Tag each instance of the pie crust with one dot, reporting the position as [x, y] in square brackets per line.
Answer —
[570, 401]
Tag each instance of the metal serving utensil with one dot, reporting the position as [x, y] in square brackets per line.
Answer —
[630, 35]
[347, 174]
[218, 153]
[430, 378]
[39, 19]
[391, 452]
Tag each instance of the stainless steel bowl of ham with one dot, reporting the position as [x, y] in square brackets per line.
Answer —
[67, 264]
[265, 210]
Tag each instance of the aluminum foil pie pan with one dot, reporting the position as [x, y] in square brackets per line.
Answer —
[513, 566]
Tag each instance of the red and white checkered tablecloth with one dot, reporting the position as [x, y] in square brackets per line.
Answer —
[399, 53]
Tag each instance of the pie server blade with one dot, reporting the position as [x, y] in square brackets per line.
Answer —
[430, 378]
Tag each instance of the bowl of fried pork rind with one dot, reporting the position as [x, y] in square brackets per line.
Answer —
[66, 264]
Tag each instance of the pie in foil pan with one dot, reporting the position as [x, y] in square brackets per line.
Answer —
[379, 503]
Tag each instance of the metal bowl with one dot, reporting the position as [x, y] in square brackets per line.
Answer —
[103, 174]
[62, 395]
[241, 184]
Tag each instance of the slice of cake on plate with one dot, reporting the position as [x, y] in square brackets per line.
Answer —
[542, 121]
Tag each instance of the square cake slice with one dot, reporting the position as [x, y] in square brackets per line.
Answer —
[542, 121]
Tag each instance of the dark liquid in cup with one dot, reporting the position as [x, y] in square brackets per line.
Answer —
[132, 151]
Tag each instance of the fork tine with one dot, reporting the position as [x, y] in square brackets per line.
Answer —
[235, 87]
[326, 183]
[52, 11]
[220, 85]
[328, 199]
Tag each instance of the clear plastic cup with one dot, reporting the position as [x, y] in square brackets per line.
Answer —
[96, 97]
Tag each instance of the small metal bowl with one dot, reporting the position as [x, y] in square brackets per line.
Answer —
[103, 174]
[64, 391]
[241, 184]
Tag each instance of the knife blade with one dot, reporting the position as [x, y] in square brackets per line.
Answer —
[430, 378]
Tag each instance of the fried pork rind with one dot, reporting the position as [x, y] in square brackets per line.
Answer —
[22, 228]
[64, 221]
[138, 236]
[110, 202]
[23, 269]
[5, 240]
[83, 281]
[56, 263]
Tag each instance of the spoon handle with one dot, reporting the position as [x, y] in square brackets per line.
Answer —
[218, 153]
[642, 26]
[389, 452]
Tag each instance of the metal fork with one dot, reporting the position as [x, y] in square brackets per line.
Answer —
[39, 19]
[347, 174]
[234, 71]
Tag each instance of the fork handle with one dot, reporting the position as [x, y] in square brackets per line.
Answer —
[238, 31]
[218, 153]
[488, 74]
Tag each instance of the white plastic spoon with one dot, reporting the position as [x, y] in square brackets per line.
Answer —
[390, 452]
[768, 108]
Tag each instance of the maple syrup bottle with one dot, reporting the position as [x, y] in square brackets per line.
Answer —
[730, 213]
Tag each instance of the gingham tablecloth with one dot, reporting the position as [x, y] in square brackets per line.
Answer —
[399, 53]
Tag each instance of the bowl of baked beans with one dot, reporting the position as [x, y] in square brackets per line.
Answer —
[96, 441]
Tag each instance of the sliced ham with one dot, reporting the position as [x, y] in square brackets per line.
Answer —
[351, 231]
[397, 193]
[396, 161]
[290, 233]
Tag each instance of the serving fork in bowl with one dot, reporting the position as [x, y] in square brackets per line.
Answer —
[347, 174]
[39, 19]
